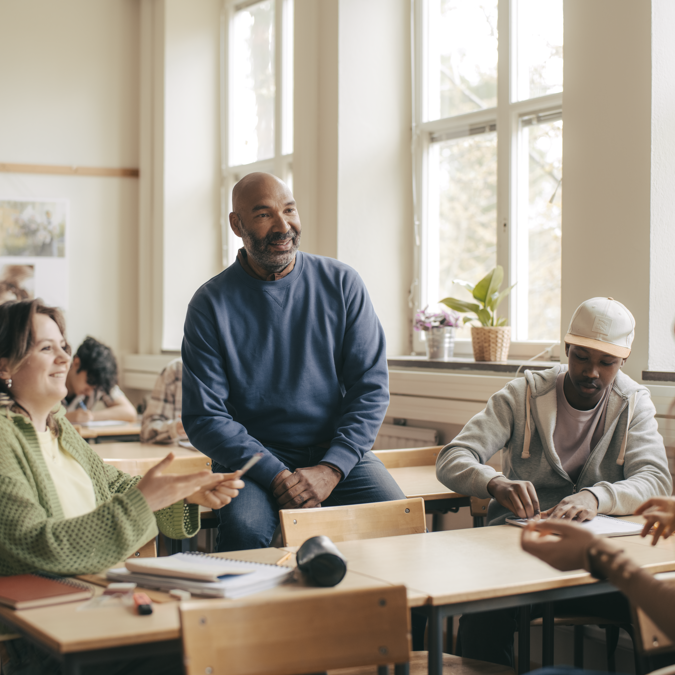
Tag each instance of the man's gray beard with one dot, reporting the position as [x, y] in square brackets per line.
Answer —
[269, 261]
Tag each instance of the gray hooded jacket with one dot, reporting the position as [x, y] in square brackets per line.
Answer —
[625, 468]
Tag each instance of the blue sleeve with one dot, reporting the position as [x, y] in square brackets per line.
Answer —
[365, 378]
[206, 389]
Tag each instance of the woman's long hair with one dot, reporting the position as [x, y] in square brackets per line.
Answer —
[17, 339]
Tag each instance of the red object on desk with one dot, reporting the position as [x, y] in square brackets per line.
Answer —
[143, 603]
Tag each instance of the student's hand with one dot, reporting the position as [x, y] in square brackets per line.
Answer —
[304, 488]
[79, 416]
[161, 490]
[579, 506]
[658, 512]
[518, 496]
[215, 497]
[566, 551]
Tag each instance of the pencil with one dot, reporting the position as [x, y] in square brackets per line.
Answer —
[287, 557]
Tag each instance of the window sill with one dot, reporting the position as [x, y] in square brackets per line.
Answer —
[466, 364]
[657, 376]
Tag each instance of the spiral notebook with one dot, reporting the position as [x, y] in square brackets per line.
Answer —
[240, 577]
[25, 591]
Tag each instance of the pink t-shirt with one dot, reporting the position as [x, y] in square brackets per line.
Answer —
[577, 432]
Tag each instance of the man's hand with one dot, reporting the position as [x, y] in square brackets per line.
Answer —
[218, 495]
[659, 512]
[566, 551]
[579, 506]
[305, 488]
[79, 416]
[518, 496]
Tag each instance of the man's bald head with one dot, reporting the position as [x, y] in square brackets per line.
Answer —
[265, 217]
[253, 185]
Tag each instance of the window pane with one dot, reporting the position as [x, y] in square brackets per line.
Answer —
[544, 231]
[463, 174]
[253, 89]
[540, 48]
[461, 57]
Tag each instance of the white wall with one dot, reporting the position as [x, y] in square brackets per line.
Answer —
[69, 82]
[352, 161]
[662, 250]
[607, 159]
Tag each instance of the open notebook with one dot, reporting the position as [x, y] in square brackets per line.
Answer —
[233, 578]
[601, 526]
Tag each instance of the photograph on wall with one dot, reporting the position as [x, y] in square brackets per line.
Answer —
[17, 282]
[33, 251]
[33, 228]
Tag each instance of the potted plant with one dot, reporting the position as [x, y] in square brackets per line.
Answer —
[490, 340]
[439, 330]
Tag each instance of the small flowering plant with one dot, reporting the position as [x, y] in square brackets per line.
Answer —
[427, 319]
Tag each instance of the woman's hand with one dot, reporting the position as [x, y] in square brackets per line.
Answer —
[659, 512]
[161, 490]
[79, 416]
[566, 551]
[221, 494]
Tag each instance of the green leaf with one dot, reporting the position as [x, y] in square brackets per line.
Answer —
[460, 305]
[484, 317]
[501, 321]
[498, 297]
[464, 284]
[488, 285]
[468, 319]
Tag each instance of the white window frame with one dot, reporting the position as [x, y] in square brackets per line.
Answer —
[511, 163]
[281, 164]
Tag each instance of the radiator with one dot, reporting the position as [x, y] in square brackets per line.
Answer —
[393, 436]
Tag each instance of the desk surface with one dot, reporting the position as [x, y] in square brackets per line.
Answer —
[66, 629]
[136, 450]
[421, 481]
[475, 564]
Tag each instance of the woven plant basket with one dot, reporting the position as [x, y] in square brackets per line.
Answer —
[491, 343]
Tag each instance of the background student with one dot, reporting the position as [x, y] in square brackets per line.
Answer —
[92, 377]
[161, 421]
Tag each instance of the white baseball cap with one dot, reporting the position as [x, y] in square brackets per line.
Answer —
[603, 324]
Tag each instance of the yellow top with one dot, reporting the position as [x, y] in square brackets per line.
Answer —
[73, 485]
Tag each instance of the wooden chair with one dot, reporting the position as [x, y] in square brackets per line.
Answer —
[348, 523]
[292, 635]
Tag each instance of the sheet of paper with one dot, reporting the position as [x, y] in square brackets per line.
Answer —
[601, 525]
[104, 423]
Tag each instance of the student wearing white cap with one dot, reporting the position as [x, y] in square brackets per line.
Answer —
[577, 440]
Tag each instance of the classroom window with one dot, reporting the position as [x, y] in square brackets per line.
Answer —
[488, 154]
[258, 97]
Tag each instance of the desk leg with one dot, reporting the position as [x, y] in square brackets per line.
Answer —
[524, 640]
[435, 642]
[547, 629]
[71, 666]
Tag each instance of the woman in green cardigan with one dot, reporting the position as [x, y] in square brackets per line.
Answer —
[63, 510]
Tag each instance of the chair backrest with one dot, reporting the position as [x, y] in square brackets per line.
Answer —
[310, 631]
[180, 465]
[360, 521]
[396, 459]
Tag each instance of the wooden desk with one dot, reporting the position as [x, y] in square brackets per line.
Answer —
[130, 432]
[136, 458]
[76, 637]
[473, 570]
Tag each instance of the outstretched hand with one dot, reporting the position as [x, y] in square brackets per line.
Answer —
[561, 544]
[161, 490]
[304, 488]
[658, 512]
[215, 497]
[579, 506]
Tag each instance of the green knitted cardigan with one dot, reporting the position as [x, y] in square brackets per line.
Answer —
[35, 535]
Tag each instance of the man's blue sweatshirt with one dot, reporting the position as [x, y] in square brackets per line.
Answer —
[290, 364]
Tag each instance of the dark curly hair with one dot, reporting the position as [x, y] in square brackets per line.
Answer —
[99, 363]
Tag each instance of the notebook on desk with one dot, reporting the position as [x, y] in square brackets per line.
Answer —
[256, 577]
[25, 591]
[601, 526]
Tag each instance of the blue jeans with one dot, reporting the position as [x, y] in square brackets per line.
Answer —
[249, 521]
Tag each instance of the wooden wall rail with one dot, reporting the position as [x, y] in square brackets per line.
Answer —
[6, 167]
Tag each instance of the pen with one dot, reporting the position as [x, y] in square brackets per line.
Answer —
[81, 404]
[287, 557]
[143, 604]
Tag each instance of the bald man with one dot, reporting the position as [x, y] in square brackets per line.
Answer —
[283, 355]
